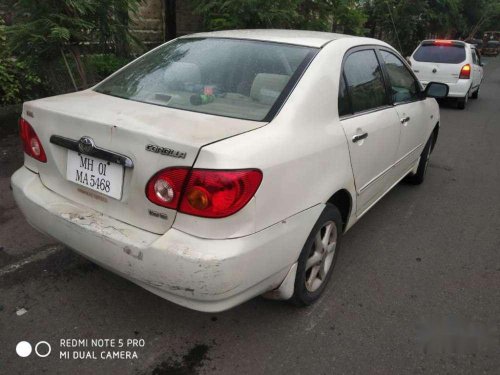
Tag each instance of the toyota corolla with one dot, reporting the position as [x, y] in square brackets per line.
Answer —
[222, 166]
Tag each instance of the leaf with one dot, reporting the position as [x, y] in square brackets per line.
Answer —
[60, 33]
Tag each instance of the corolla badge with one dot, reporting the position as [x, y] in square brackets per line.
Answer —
[166, 151]
[86, 145]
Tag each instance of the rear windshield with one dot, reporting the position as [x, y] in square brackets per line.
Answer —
[446, 54]
[226, 77]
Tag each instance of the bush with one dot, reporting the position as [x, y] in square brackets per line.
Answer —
[17, 82]
[102, 65]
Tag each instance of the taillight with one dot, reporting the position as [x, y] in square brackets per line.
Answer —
[216, 194]
[441, 42]
[31, 143]
[207, 193]
[465, 72]
[165, 187]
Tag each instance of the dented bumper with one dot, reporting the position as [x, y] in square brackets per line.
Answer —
[201, 274]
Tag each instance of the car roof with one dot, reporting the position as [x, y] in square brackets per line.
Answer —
[299, 37]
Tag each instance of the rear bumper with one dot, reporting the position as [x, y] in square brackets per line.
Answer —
[201, 274]
[458, 89]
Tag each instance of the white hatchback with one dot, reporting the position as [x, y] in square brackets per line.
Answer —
[221, 166]
[456, 63]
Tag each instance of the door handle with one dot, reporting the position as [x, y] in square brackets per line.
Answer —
[404, 120]
[359, 137]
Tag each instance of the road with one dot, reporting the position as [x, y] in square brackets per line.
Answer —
[416, 289]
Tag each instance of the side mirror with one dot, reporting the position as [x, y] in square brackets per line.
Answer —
[436, 90]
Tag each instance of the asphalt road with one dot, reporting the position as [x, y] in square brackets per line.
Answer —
[416, 289]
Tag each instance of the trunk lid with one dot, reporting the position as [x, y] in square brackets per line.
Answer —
[124, 127]
[428, 72]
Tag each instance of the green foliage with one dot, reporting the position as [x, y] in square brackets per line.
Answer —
[102, 65]
[245, 14]
[348, 16]
[112, 22]
[403, 23]
[323, 15]
[43, 31]
[42, 28]
[17, 81]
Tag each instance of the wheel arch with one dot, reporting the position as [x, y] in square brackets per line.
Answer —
[342, 199]
[435, 133]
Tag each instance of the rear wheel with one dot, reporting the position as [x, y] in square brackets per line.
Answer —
[318, 257]
[462, 102]
[475, 94]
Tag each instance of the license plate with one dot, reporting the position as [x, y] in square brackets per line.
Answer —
[96, 174]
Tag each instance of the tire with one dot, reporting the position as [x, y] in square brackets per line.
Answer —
[462, 102]
[318, 259]
[423, 164]
[475, 94]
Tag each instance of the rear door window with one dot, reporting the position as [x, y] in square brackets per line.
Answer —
[438, 53]
[365, 81]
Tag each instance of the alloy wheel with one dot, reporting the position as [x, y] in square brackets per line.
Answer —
[321, 256]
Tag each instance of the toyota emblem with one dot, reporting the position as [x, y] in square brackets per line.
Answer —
[86, 145]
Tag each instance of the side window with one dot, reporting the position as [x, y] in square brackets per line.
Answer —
[474, 57]
[364, 80]
[404, 87]
[343, 98]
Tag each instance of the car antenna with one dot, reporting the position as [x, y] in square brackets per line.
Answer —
[393, 25]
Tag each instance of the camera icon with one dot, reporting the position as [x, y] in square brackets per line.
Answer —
[42, 349]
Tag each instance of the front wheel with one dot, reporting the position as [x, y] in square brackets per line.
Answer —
[318, 257]
[423, 164]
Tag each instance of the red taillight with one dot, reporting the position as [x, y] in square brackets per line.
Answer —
[465, 72]
[443, 42]
[31, 143]
[207, 193]
[165, 187]
[216, 194]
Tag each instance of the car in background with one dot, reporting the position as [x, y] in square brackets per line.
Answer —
[453, 62]
[221, 166]
[492, 48]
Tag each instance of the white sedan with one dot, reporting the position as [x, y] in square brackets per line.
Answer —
[221, 166]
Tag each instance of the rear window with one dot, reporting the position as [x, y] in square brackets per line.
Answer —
[446, 54]
[227, 77]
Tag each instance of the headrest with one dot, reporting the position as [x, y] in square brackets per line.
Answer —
[267, 87]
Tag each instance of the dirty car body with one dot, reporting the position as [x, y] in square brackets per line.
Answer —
[199, 170]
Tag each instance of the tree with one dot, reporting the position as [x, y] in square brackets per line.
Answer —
[322, 15]
[16, 81]
[245, 14]
[445, 18]
[481, 14]
[43, 30]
